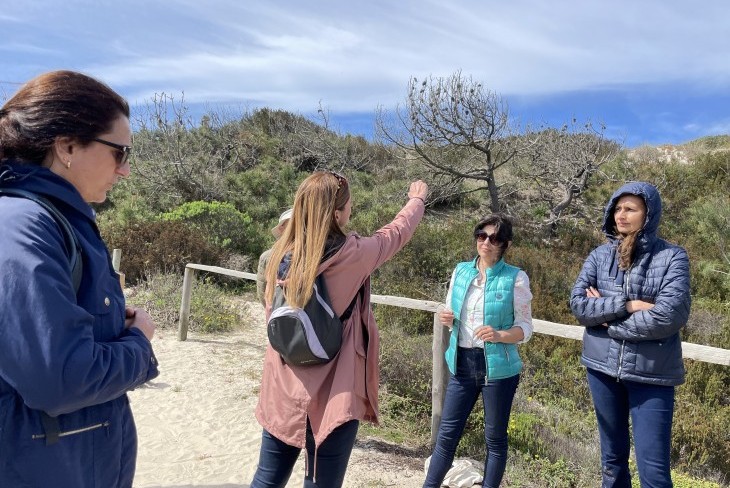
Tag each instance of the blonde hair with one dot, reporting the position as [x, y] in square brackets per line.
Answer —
[626, 248]
[311, 224]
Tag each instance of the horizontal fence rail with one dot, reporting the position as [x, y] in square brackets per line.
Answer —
[440, 376]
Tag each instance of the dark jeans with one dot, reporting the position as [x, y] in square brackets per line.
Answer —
[276, 459]
[651, 408]
[461, 395]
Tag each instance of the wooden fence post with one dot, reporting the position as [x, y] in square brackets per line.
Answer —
[116, 263]
[440, 375]
[188, 280]
[116, 259]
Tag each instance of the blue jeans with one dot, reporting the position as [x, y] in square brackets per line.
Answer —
[461, 395]
[651, 408]
[276, 459]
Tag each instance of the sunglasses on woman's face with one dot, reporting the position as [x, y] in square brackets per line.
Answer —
[121, 154]
[482, 236]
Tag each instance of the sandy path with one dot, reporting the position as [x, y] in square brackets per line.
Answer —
[196, 420]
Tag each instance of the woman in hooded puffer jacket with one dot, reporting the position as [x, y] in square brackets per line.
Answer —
[633, 297]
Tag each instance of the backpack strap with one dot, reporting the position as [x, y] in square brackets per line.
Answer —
[73, 249]
[348, 312]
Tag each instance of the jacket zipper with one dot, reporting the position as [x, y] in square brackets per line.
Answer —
[627, 280]
[75, 431]
[620, 361]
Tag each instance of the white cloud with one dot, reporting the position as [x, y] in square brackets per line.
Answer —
[23, 48]
[297, 54]
[354, 56]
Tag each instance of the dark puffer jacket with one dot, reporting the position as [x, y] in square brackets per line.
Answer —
[644, 346]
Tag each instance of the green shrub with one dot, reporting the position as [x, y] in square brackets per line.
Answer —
[700, 438]
[160, 247]
[405, 393]
[556, 474]
[522, 430]
[123, 207]
[404, 364]
[264, 191]
[681, 480]
[526, 471]
[552, 273]
[221, 224]
[403, 420]
[210, 305]
[553, 373]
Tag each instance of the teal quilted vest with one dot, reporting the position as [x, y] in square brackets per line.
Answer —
[503, 360]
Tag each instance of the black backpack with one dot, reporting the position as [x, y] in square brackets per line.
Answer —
[310, 335]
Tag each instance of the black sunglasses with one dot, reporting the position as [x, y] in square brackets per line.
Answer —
[122, 152]
[482, 236]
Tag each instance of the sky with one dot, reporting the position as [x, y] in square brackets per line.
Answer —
[652, 71]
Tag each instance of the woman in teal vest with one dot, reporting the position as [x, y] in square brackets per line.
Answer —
[493, 314]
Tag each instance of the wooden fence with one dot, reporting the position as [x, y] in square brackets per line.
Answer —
[440, 376]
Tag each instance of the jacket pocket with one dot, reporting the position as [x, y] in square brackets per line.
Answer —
[107, 308]
[662, 358]
[360, 373]
[596, 345]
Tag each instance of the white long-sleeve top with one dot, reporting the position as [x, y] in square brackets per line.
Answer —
[472, 310]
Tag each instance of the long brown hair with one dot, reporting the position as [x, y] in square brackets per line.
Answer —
[56, 104]
[312, 223]
[626, 250]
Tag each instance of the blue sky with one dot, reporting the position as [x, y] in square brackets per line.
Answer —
[653, 71]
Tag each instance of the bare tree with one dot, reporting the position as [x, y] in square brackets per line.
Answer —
[310, 144]
[459, 130]
[562, 164]
[325, 147]
[178, 160]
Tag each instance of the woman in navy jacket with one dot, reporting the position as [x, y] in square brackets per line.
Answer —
[69, 350]
[633, 297]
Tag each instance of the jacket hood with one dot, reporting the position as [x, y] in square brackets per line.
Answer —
[43, 181]
[653, 202]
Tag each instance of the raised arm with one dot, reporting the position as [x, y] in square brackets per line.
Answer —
[392, 237]
[360, 256]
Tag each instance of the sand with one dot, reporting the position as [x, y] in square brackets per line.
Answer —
[196, 420]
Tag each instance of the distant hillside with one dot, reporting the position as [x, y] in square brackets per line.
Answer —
[683, 153]
[709, 143]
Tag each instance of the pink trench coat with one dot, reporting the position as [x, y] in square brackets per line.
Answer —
[346, 388]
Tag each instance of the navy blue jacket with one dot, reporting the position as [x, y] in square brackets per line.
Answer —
[644, 346]
[63, 353]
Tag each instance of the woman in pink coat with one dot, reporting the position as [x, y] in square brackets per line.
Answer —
[319, 408]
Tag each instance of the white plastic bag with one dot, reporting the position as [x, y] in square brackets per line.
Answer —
[464, 473]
